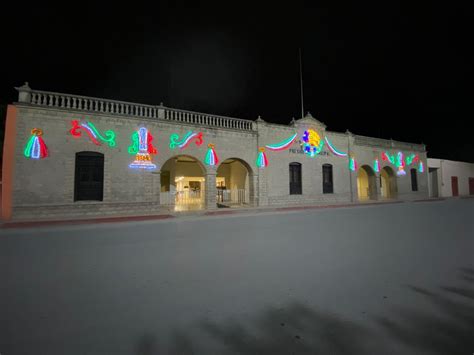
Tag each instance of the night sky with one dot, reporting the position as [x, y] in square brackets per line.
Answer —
[382, 70]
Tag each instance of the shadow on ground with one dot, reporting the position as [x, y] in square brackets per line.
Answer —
[448, 331]
[296, 329]
[299, 329]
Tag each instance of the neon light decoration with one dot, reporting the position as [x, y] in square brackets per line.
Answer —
[143, 148]
[412, 158]
[334, 150]
[188, 137]
[409, 159]
[421, 168]
[311, 142]
[93, 133]
[388, 157]
[376, 165]
[352, 163]
[400, 164]
[211, 156]
[36, 148]
[284, 144]
[262, 160]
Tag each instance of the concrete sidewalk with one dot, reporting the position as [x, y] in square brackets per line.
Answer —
[217, 212]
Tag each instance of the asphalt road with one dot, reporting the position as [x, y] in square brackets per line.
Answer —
[391, 279]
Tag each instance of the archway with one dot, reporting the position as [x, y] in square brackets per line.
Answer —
[366, 186]
[234, 182]
[183, 183]
[388, 183]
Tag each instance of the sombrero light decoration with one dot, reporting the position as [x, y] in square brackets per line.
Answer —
[211, 156]
[262, 160]
[352, 163]
[36, 148]
[376, 165]
[421, 168]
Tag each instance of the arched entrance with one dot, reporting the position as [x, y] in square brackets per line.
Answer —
[366, 186]
[183, 183]
[234, 182]
[388, 183]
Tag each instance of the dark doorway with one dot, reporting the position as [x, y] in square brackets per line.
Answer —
[414, 180]
[89, 177]
[327, 179]
[454, 185]
[295, 179]
[471, 186]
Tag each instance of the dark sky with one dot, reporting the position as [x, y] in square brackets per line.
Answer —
[380, 69]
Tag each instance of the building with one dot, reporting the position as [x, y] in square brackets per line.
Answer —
[75, 156]
[449, 178]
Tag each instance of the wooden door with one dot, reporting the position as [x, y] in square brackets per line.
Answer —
[454, 185]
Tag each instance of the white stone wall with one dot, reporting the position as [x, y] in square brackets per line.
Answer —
[448, 168]
[45, 187]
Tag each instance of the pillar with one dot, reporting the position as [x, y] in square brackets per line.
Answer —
[211, 190]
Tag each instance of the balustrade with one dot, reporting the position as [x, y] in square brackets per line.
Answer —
[75, 102]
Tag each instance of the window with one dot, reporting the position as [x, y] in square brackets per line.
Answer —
[327, 179]
[89, 177]
[414, 182]
[295, 179]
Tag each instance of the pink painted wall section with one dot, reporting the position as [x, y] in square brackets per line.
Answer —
[8, 162]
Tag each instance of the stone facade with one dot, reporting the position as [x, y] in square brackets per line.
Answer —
[44, 188]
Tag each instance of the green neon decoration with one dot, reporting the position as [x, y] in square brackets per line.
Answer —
[27, 151]
[109, 135]
[134, 147]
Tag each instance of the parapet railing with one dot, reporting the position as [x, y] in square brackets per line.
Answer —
[386, 143]
[92, 104]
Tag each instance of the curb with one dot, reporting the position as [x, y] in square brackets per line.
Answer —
[31, 224]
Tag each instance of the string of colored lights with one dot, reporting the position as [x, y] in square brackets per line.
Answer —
[93, 133]
[334, 150]
[284, 144]
[211, 156]
[35, 147]
[188, 137]
[262, 160]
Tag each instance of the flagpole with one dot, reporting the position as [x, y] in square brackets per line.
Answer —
[301, 85]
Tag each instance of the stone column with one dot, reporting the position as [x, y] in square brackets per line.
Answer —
[211, 190]
[161, 111]
[253, 190]
[262, 187]
[24, 93]
[378, 195]
[155, 187]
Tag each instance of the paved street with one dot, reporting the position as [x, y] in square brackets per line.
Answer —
[389, 279]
